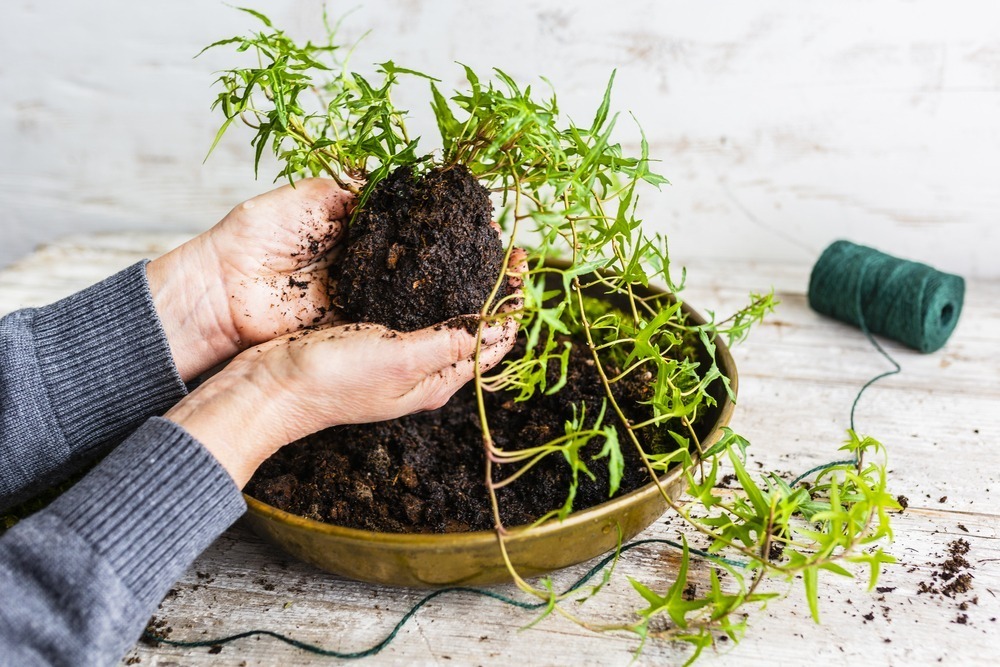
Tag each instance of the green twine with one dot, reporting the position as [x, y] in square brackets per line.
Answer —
[854, 405]
[910, 302]
[354, 655]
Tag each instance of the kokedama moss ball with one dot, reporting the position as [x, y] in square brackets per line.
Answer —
[421, 250]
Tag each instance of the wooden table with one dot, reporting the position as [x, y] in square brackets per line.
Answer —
[799, 373]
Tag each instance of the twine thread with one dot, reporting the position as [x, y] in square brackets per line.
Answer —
[910, 302]
[465, 590]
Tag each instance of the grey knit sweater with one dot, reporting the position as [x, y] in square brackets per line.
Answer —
[79, 580]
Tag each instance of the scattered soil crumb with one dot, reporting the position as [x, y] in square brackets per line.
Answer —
[727, 480]
[952, 577]
[156, 629]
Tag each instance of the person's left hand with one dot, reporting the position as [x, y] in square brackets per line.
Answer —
[261, 272]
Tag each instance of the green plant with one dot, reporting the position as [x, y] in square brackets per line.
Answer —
[570, 191]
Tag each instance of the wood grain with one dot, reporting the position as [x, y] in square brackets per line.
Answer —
[799, 374]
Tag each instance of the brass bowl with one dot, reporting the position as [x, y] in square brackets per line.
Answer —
[473, 558]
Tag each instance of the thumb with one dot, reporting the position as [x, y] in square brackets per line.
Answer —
[439, 346]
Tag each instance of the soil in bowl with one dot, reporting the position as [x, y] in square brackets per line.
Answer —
[425, 472]
[420, 251]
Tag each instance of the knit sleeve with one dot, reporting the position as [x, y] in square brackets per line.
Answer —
[79, 579]
[76, 377]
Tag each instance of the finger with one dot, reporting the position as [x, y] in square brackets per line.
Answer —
[492, 355]
[441, 345]
[436, 389]
[324, 261]
[312, 241]
[303, 222]
[287, 302]
[517, 268]
[501, 332]
[327, 200]
[320, 331]
[450, 342]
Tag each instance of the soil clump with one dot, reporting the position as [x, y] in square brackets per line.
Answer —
[424, 472]
[420, 251]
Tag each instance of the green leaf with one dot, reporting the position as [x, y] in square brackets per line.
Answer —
[221, 42]
[836, 569]
[810, 578]
[391, 69]
[447, 125]
[616, 462]
[728, 439]
[753, 492]
[602, 110]
[218, 136]
[655, 601]
[263, 19]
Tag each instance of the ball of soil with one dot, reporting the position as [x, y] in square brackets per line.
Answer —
[422, 250]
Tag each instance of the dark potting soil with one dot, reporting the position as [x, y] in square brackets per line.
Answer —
[425, 472]
[420, 251]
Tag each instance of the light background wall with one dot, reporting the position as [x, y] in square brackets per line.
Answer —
[781, 125]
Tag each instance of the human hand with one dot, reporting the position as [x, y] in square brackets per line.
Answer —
[259, 273]
[300, 383]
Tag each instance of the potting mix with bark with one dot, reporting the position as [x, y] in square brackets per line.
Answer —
[423, 250]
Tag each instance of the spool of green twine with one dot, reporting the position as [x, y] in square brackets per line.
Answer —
[910, 302]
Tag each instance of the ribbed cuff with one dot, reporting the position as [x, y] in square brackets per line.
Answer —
[151, 506]
[105, 360]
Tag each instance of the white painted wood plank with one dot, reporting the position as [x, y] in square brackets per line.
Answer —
[249, 584]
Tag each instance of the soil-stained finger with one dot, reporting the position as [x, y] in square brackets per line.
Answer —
[324, 198]
[441, 345]
[492, 355]
[501, 332]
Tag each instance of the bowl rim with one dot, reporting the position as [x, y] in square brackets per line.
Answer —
[593, 514]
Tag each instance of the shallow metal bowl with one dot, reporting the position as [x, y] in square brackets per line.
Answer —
[473, 558]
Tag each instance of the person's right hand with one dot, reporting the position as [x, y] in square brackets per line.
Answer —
[300, 383]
